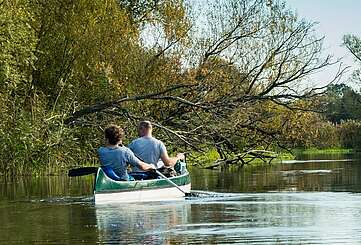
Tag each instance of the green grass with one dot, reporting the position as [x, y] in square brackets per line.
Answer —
[311, 151]
[207, 158]
[204, 158]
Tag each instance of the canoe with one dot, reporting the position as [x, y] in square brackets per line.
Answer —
[107, 190]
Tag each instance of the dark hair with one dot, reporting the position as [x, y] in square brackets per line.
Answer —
[114, 134]
[145, 124]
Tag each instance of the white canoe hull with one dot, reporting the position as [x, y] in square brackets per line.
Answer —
[163, 194]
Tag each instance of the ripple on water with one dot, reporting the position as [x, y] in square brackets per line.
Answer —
[64, 200]
[288, 218]
[234, 233]
[304, 172]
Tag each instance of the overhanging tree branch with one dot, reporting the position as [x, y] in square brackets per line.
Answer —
[102, 106]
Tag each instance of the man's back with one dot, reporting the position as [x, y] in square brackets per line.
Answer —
[148, 149]
[117, 158]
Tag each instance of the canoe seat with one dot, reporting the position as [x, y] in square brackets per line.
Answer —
[110, 173]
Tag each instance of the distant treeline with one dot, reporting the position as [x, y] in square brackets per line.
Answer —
[336, 122]
[222, 76]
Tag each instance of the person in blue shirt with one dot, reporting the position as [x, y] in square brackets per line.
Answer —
[150, 149]
[116, 156]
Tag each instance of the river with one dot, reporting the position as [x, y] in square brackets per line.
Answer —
[307, 202]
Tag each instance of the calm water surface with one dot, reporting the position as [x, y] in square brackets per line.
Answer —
[291, 203]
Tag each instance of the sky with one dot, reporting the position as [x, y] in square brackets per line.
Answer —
[335, 19]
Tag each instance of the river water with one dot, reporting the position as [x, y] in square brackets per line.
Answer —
[307, 202]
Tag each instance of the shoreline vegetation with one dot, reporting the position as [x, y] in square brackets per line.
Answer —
[208, 160]
[234, 76]
[315, 151]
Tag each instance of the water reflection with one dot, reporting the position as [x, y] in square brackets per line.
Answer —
[310, 176]
[139, 224]
[38, 187]
[276, 218]
[46, 223]
[288, 218]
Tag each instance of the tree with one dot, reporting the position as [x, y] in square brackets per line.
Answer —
[249, 53]
[17, 58]
[208, 77]
[59, 56]
[342, 103]
[353, 44]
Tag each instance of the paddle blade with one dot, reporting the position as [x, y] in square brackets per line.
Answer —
[82, 171]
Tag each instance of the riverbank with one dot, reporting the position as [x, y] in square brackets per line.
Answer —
[210, 158]
[315, 151]
[207, 159]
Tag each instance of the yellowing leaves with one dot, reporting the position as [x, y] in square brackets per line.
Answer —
[174, 19]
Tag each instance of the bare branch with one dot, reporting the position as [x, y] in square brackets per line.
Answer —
[102, 106]
[353, 52]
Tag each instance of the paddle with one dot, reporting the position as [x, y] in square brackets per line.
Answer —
[82, 171]
[187, 194]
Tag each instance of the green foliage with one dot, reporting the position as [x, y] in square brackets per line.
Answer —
[59, 56]
[350, 134]
[204, 158]
[81, 48]
[17, 45]
[342, 103]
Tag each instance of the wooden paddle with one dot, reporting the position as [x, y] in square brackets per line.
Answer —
[82, 171]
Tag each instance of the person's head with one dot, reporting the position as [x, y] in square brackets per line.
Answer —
[113, 134]
[145, 128]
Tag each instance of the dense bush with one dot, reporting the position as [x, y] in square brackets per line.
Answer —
[350, 134]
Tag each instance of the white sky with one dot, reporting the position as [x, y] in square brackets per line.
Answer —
[336, 18]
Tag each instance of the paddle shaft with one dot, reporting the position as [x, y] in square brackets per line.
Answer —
[82, 171]
[169, 181]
